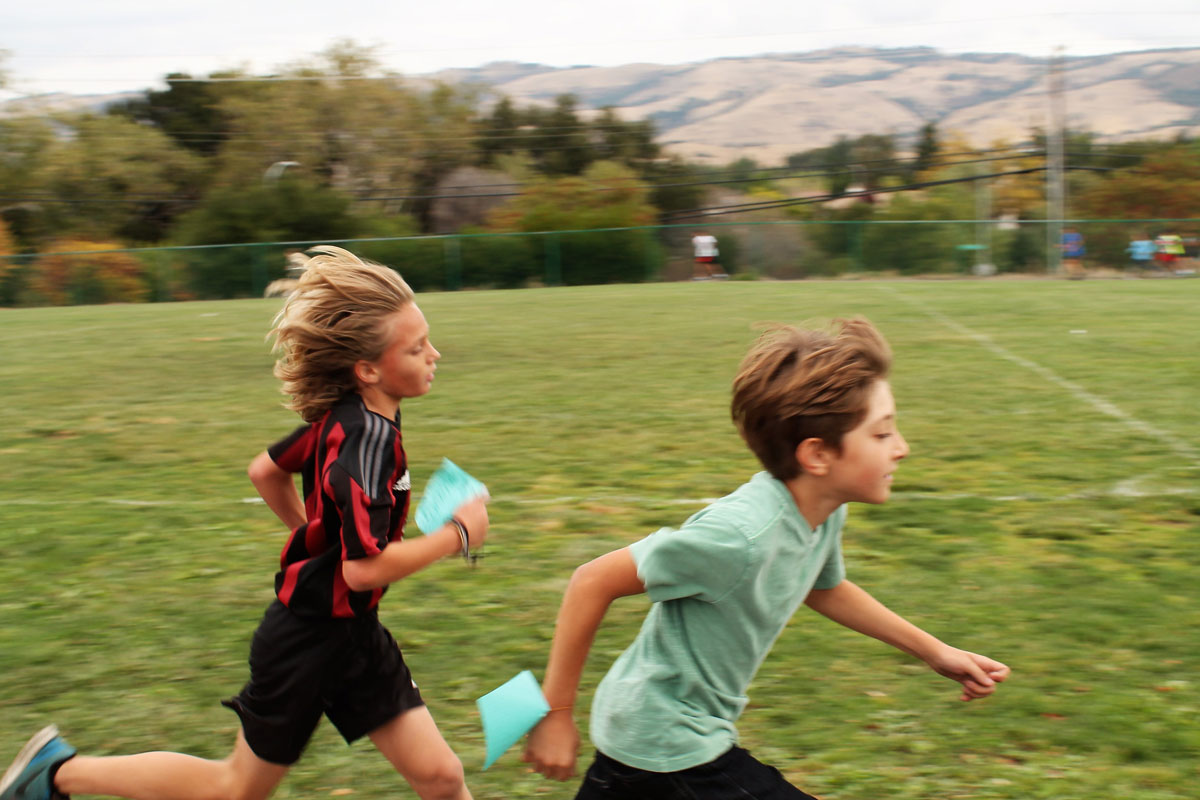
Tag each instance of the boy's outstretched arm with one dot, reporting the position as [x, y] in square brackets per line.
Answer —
[850, 605]
[402, 558]
[554, 744]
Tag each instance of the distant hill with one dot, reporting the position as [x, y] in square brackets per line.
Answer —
[58, 102]
[767, 107]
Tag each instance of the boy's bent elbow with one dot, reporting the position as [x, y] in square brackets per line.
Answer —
[610, 576]
[262, 469]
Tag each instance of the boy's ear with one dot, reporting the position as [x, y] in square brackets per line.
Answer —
[365, 373]
[814, 456]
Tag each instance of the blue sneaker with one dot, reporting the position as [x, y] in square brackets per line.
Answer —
[29, 777]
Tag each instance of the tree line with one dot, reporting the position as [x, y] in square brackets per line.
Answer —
[335, 148]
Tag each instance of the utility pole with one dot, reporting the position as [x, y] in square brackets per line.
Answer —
[1056, 199]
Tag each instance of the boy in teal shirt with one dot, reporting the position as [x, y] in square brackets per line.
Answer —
[817, 410]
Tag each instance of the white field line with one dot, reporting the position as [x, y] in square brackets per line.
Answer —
[1100, 404]
[1125, 488]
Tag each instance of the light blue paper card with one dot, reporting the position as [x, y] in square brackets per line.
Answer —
[510, 712]
[448, 488]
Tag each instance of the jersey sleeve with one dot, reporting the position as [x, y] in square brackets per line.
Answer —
[361, 482]
[290, 452]
[703, 559]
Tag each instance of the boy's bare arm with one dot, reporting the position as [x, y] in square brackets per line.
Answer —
[850, 605]
[554, 744]
[403, 558]
[277, 489]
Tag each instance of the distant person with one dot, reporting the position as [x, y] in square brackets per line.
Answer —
[704, 248]
[817, 410]
[1141, 252]
[1073, 252]
[354, 344]
[1168, 250]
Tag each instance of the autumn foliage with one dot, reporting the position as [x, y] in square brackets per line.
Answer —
[75, 272]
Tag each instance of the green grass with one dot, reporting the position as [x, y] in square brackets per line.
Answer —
[1029, 523]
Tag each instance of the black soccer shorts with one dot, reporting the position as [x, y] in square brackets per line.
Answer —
[350, 670]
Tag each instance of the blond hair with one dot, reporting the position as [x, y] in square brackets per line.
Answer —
[797, 384]
[335, 317]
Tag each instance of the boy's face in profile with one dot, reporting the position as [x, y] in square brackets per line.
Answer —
[870, 452]
[408, 363]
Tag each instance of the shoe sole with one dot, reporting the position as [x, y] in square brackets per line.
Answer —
[31, 748]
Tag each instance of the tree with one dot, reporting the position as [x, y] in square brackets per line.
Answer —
[351, 127]
[24, 142]
[1163, 186]
[113, 178]
[927, 148]
[607, 195]
[291, 209]
[7, 265]
[677, 185]
[189, 111]
[629, 143]
[498, 132]
[1166, 185]
[865, 162]
[557, 140]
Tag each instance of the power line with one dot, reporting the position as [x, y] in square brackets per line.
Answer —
[740, 208]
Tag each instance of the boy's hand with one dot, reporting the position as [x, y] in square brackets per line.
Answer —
[473, 514]
[553, 746]
[977, 674]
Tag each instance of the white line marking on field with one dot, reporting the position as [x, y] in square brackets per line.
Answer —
[1122, 489]
[1096, 402]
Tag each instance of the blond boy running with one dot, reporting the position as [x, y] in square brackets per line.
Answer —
[354, 345]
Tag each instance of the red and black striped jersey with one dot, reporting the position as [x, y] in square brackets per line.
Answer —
[356, 495]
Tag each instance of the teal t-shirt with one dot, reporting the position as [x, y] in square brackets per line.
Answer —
[723, 587]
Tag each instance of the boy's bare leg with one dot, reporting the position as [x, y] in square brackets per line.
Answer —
[172, 776]
[415, 747]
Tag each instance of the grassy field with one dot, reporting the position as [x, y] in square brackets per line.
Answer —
[1048, 516]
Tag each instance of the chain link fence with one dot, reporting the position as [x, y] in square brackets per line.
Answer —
[788, 250]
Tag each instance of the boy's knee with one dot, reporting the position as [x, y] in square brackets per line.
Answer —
[442, 779]
[236, 785]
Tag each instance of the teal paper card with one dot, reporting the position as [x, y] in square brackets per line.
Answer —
[510, 712]
[448, 488]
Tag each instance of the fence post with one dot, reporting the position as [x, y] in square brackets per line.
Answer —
[452, 252]
[162, 276]
[553, 261]
[856, 245]
[258, 272]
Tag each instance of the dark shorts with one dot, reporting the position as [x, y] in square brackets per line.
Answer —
[350, 670]
[736, 775]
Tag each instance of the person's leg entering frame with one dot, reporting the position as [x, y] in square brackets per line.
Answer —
[413, 744]
[172, 776]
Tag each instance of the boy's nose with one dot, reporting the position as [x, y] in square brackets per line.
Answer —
[902, 451]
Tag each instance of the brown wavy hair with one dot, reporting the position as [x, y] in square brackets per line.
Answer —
[797, 384]
[335, 318]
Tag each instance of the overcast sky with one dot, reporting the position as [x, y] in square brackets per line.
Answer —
[100, 46]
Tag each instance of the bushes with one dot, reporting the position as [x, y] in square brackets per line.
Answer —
[78, 272]
[507, 261]
[605, 256]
